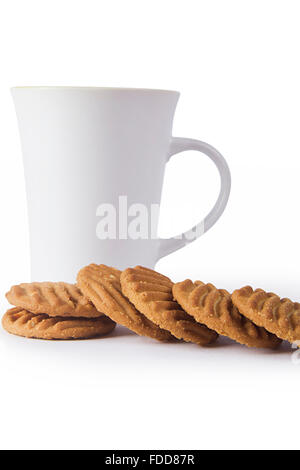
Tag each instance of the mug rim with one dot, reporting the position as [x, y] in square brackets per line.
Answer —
[93, 88]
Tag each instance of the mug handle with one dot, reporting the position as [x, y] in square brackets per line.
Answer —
[180, 144]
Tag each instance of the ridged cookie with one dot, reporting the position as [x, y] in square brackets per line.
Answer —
[101, 284]
[53, 298]
[279, 316]
[151, 293]
[214, 308]
[23, 323]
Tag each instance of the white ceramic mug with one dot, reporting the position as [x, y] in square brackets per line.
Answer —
[84, 148]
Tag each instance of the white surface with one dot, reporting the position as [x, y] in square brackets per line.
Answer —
[236, 64]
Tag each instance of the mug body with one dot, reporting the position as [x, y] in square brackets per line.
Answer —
[94, 161]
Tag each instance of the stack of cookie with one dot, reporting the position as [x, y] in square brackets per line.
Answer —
[53, 310]
[150, 304]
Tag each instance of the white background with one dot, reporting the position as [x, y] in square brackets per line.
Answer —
[236, 64]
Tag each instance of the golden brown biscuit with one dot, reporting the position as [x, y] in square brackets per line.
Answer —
[151, 293]
[53, 298]
[279, 316]
[101, 284]
[214, 308]
[23, 323]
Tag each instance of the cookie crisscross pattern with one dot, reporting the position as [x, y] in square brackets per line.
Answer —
[279, 316]
[23, 323]
[151, 293]
[52, 298]
[214, 308]
[101, 284]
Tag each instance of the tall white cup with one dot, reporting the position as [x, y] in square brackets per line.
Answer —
[94, 153]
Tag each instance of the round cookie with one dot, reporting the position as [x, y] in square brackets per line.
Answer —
[23, 323]
[214, 308]
[101, 284]
[279, 316]
[53, 298]
[151, 293]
